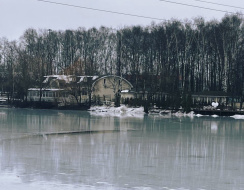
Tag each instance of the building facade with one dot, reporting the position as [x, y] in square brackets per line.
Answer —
[70, 89]
[107, 87]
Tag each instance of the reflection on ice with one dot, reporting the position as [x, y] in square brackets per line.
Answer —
[214, 127]
[238, 116]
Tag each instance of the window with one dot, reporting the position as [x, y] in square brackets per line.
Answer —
[104, 83]
[50, 94]
[84, 91]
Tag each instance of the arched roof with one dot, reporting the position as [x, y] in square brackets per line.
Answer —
[115, 76]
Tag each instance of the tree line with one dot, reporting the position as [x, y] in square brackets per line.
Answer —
[190, 56]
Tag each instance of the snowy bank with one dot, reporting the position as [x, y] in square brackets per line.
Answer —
[184, 114]
[138, 112]
[122, 111]
[238, 116]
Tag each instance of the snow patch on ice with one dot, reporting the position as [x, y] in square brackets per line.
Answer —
[122, 111]
[184, 114]
[238, 116]
[199, 115]
[138, 112]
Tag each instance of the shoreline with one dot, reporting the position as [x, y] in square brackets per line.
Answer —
[125, 111]
[139, 112]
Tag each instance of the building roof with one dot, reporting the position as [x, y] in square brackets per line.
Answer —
[45, 89]
[93, 78]
[66, 78]
[115, 76]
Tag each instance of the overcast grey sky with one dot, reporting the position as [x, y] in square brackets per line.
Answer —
[18, 15]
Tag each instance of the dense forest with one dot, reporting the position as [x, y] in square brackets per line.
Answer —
[190, 56]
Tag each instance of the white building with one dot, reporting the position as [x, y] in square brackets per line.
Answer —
[70, 89]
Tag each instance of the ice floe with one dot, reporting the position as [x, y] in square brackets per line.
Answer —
[125, 111]
[122, 111]
[238, 116]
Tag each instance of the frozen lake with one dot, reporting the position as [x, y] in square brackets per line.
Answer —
[119, 153]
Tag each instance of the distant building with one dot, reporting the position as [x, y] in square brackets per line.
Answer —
[70, 89]
[62, 89]
[107, 87]
[210, 96]
[223, 98]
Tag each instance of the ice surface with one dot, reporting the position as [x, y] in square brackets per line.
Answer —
[150, 153]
